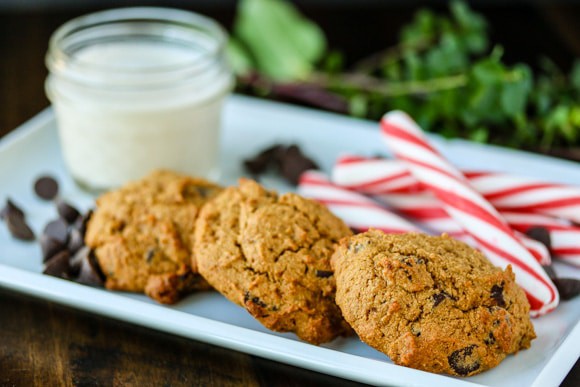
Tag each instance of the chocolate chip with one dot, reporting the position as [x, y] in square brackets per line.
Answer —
[58, 265]
[549, 269]
[77, 259]
[18, 226]
[150, 254]
[268, 157]
[46, 187]
[497, 295]
[81, 222]
[463, 361]
[253, 299]
[324, 273]
[57, 229]
[67, 212]
[90, 273]
[10, 208]
[75, 240]
[490, 339]
[438, 298]
[50, 247]
[567, 287]
[293, 163]
[541, 234]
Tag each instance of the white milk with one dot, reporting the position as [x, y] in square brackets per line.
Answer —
[127, 107]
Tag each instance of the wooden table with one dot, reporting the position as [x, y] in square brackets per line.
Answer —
[45, 344]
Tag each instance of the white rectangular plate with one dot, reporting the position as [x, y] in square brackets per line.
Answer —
[250, 126]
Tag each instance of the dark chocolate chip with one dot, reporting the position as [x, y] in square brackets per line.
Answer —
[11, 208]
[567, 287]
[293, 163]
[77, 259]
[497, 295]
[57, 229]
[67, 212]
[541, 234]
[490, 339]
[463, 361]
[58, 265]
[150, 254]
[75, 240]
[81, 222]
[18, 227]
[46, 187]
[50, 247]
[549, 269]
[324, 273]
[253, 299]
[438, 298]
[268, 157]
[90, 273]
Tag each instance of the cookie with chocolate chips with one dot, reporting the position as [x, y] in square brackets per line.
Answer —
[431, 303]
[270, 254]
[142, 235]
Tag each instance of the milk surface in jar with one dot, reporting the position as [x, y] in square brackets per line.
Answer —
[138, 89]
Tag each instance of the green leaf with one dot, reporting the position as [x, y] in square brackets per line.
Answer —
[285, 45]
[238, 57]
[480, 134]
[358, 105]
[514, 94]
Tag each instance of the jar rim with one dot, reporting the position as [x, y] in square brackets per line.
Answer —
[57, 58]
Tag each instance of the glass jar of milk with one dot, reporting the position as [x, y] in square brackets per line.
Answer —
[136, 89]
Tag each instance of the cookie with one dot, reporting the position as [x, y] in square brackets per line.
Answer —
[271, 255]
[142, 235]
[431, 303]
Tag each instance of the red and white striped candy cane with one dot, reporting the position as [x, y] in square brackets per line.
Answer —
[503, 191]
[382, 178]
[426, 209]
[355, 209]
[564, 236]
[477, 216]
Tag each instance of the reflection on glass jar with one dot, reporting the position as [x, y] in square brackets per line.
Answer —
[135, 89]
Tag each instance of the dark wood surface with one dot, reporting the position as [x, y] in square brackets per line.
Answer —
[45, 344]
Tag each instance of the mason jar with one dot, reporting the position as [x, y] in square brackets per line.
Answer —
[138, 89]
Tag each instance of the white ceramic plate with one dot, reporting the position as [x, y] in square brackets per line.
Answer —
[250, 126]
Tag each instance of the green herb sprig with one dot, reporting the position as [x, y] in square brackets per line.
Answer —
[443, 72]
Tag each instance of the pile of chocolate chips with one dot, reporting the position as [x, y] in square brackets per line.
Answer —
[289, 161]
[567, 287]
[64, 253]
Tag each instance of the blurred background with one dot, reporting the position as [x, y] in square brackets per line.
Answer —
[541, 36]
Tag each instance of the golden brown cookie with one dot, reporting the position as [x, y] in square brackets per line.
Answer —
[431, 303]
[271, 255]
[142, 235]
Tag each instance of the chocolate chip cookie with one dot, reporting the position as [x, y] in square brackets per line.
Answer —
[431, 303]
[271, 255]
[142, 235]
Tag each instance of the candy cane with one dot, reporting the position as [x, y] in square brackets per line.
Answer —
[503, 191]
[355, 209]
[383, 178]
[477, 216]
[427, 211]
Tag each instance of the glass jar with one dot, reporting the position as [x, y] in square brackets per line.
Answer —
[137, 89]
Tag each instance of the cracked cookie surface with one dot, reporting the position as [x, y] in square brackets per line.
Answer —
[142, 235]
[271, 254]
[431, 303]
